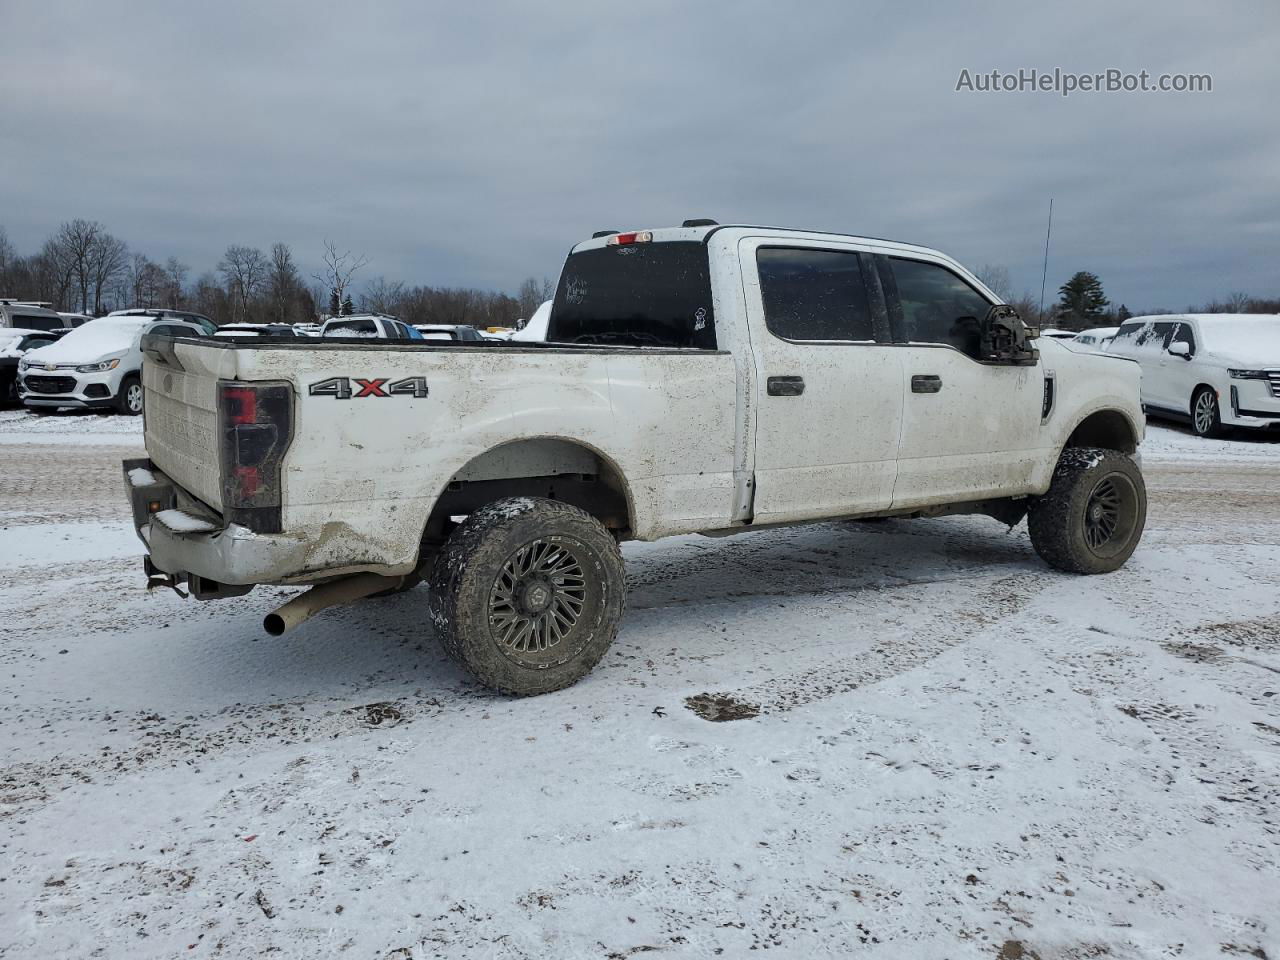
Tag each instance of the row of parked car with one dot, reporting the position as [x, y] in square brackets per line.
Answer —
[1213, 371]
[51, 360]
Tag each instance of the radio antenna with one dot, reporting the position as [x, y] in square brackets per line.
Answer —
[1045, 273]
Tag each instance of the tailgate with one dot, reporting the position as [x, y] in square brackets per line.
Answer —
[181, 383]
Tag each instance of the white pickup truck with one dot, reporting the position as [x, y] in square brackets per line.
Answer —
[696, 379]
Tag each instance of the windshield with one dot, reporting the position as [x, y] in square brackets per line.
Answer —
[640, 294]
[1249, 340]
[119, 329]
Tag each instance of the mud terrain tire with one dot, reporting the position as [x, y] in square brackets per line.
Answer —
[527, 594]
[1092, 517]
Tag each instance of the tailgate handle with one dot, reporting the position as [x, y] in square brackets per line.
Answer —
[786, 386]
[926, 383]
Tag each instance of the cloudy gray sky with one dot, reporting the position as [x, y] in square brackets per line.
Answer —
[474, 143]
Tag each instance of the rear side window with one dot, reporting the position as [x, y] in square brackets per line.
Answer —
[640, 294]
[813, 294]
[938, 306]
[352, 328]
[36, 322]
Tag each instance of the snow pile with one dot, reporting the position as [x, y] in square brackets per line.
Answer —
[180, 522]
[141, 477]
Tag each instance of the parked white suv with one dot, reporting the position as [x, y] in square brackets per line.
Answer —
[95, 366]
[1213, 370]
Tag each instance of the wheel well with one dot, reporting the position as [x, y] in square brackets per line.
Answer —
[1108, 429]
[1198, 387]
[550, 467]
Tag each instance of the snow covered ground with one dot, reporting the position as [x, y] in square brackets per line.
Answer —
[929, 745]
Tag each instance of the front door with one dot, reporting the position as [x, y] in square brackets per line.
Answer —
[828, 385]
[969, 429]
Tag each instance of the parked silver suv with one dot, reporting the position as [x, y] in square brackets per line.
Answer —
[30, 315]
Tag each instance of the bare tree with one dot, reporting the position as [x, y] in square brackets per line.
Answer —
[382, 296]
[244, 270]
[1238, 302]
[283, 284]
[531, 294]
[108, 258]
[996, 277]
[339, 268]
[72, 247]
[175, 278]
[58, 267]
[8, 256]
[148, 282]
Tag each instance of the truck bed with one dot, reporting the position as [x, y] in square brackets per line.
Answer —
[363, 469]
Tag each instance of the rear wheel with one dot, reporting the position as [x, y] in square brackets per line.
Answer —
[1206, 418]
[1092, 517]
[527, 594]
[129, 399]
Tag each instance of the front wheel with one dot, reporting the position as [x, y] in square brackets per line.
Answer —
[527, 594]
[1206, 417]
[1092, 517]
[129, 399]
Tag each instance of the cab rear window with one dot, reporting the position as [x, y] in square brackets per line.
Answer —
[641, 294]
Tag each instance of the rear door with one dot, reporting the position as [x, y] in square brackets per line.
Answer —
[829, 386]
[969, 428]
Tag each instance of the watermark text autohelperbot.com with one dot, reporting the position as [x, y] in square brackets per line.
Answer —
[1065, 83]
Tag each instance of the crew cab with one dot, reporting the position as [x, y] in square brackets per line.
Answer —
[695, 379]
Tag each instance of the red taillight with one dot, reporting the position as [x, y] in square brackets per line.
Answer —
[240, 404]
[638, 236]
[248, 481]
[255, 423]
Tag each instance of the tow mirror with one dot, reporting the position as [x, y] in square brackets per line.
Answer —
[1180, 349]
[1006, 339]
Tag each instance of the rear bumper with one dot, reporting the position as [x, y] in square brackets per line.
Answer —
[228, 556]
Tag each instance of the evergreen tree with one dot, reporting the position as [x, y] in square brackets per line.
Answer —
[334, 307]
[1081, 300]
[348, 308]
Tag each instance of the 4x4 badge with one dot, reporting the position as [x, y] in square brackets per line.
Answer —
[340, 388]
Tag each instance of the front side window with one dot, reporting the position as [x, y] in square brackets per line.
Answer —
[638, 294]
[813, 294]
[938, 306]
[1182, 333]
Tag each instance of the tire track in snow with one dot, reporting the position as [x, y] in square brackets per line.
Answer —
[1002, 598]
